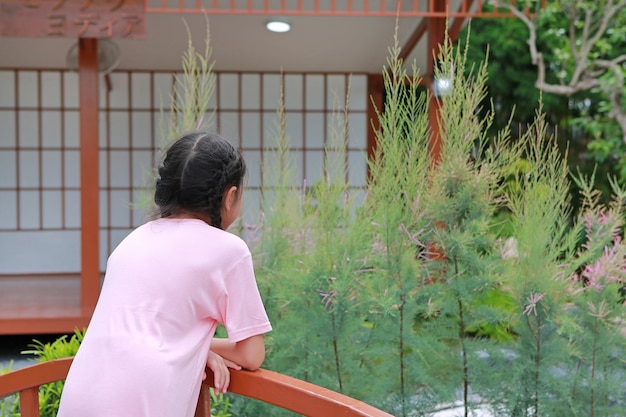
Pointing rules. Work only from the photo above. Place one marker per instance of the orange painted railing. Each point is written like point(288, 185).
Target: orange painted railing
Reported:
point(390, 8)
point(273, 388)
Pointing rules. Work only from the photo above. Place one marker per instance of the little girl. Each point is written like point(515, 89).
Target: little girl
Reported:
point(167, 286)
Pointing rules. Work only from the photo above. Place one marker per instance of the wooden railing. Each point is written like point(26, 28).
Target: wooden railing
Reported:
point(273, 388)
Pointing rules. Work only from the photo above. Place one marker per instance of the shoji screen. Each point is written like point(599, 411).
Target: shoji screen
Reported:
point(39, 149)
point(39, 163)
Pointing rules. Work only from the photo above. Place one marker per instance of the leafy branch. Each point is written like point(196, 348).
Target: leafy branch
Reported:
point(589, 24)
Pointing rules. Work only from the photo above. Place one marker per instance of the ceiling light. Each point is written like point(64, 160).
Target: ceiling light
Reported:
point(278, 26)
point(442, 86)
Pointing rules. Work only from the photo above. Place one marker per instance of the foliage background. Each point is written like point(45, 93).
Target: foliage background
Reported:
point(466, 279)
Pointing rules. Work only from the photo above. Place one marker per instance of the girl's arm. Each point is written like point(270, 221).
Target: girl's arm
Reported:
point(249, 353)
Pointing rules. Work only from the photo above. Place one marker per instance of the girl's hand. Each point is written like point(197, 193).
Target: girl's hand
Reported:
point(221, 375)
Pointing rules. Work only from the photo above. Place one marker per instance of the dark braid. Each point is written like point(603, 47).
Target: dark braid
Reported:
point(195, 174)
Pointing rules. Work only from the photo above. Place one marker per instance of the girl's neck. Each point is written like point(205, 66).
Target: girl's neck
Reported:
point(192, 215)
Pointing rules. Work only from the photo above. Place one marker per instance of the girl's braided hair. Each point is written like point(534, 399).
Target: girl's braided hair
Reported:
point(195, 174)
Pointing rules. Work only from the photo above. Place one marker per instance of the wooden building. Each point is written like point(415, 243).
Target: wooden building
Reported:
point(82, 87)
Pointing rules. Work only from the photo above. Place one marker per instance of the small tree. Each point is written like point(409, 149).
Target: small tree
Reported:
point(586, 39)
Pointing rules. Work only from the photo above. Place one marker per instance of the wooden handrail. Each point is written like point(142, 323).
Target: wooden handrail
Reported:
point(271, 387)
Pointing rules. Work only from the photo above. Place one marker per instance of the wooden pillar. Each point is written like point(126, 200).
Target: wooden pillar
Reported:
point(203, 408)
point(89, 184)
point(375, 93)
point(436, 37)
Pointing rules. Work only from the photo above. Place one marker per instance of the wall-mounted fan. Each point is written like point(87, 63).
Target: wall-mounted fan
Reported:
point(108, 56)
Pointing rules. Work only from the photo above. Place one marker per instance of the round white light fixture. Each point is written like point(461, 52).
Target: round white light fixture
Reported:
point(443, 86)
point(278, 26)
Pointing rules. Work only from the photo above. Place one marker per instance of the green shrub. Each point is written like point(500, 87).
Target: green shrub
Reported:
point(463, 278)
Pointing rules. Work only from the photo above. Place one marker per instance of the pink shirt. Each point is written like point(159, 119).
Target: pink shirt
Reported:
point(167, 286)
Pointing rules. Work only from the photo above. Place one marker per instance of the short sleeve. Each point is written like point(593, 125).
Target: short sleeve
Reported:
point(243, 313)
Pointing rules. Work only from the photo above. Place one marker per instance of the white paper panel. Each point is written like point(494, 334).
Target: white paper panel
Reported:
point(140, 90)
point(253, 164)
point(315, 130)
point(70, 89)
point(8, 208)
point(51, 89)
point(229, 126)
point(120, 208)
point(119, 130)
point(251, 130)
point(72, 209)
point(119, 170)
point(29, 209)
point(358, 130)
point(29, 169)
point(143, 174)
point(294, 129)
point(51, 169)
point(336, 94)
point(162, 90)
point(314, 167)
point(293, 92)
point(29, 128)
point(103, 169)
point(118, 96)
point(142, 135)
point(103, 213)
point(250, 92)
point(52, 209)
point(28, 85)
point(103, 128)
point(7, 86)
point(72, 129)
point(51, 129)
point(358, 92)
point(8, 177)
point(357, 162)
point(314, 92)
point(54, 252)
point(72, 169)
point(271, 91)
point(228, 92)
point(7, 130)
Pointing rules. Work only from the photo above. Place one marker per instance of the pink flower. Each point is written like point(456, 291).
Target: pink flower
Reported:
point(328, 298)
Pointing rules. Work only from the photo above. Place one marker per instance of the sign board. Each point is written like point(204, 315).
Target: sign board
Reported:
point(73, 18)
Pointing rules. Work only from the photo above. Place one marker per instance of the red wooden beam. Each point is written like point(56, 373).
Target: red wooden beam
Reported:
point(375, 92)
point(42, 324)
point(436, 37)
point(89, 184)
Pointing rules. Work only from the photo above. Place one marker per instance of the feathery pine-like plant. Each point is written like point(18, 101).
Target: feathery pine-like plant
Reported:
point(189, 102)
point(461, 278)
point(193, 89)
point(535, 276)
point(461, 194)
point(399, 229)
point(597, 314)
point(308, 261)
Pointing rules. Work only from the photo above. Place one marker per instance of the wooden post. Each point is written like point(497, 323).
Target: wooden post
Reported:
point(375, 92)
point(436, 37)
point(89, 184)
point(203, 409)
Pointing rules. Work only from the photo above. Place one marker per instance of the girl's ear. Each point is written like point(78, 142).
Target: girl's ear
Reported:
point(230, 198)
